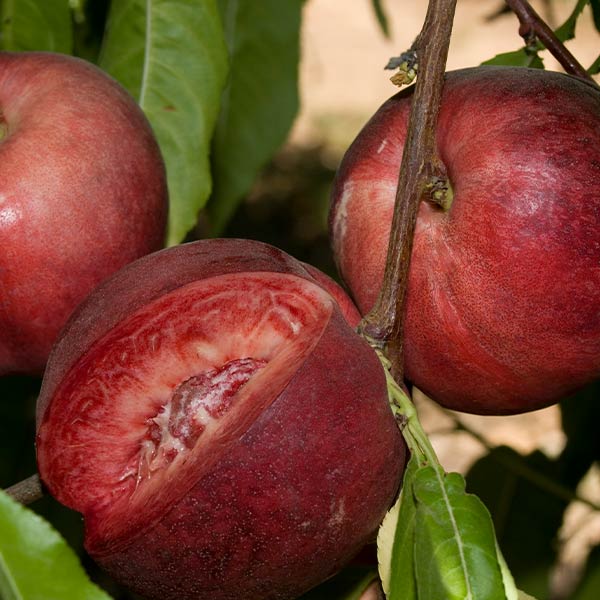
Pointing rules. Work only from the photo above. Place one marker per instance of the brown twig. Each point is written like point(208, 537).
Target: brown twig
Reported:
point(27, 491)
point(420, 164)
point(532, 25)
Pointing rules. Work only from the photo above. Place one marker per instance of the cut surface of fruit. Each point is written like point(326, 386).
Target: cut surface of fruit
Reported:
point(165, 392)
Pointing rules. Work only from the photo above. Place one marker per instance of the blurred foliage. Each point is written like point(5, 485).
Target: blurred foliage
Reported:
point(288, 205)
point(260, 100)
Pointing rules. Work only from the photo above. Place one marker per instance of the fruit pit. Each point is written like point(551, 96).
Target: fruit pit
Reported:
point(195, 403)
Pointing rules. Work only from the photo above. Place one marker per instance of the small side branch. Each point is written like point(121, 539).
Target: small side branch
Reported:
point(533, 26)
point(27, 491)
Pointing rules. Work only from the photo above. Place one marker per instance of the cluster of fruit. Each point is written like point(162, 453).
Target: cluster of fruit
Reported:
point(209, 408)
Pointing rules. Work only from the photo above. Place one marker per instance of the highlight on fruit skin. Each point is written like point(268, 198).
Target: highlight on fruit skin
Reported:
point(223, 430)
point(82, 192)
point(503, 303)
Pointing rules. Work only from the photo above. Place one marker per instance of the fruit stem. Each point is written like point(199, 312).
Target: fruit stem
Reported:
point(533, 26)
point(27, 491)
point(406, 415)
point(420, 165)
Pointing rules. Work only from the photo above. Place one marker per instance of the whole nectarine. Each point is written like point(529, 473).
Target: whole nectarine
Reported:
point(82, 192)
point(503, 302)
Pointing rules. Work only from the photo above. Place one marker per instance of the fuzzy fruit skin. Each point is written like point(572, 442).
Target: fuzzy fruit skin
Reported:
point(82, 193)
point(504, 288)
point(282, 501)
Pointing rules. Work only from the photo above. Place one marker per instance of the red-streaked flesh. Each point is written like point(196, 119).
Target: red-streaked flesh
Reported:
point(131, 375)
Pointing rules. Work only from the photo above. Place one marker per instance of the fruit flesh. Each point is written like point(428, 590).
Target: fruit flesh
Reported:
point(504, 287)
point(278, 490)
point(82, 192)
point(132, 375)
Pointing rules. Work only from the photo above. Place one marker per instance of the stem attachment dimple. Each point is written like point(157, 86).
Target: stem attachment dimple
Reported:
point(440, 192)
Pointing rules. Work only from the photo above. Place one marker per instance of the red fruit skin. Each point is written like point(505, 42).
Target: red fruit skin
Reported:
point(344, 301)
point(82, 193)
point(504, 288)
point(274, 506)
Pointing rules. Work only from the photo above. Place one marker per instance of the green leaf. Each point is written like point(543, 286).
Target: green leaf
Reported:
point(381, 17)
point(523, 596)
point(396, 542)
point(36, 25)
point(595, 4)
point(567, 30)
point(594, 68)
point(261, 99)
point(518, 58)
point(455, 547)
point(35, 562)
point(171, 56)
point(529, 57)
point(456, 554)
point(512, 593)
point(347, 585)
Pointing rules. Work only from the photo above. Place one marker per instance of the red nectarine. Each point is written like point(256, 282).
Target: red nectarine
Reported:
point(503, 303)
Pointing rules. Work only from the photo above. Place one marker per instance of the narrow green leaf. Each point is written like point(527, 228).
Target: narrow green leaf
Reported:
point(396, 542)
point(456, 554)
point(529, 57)
point(567, 30)
point(381, 17)
point(261, 99)
point(455, 549)
point(523, 596)
point(36, 25)
point(35, 562)
point(512, 593)
point(595, 4)
point(519, 499)
point(171, 56)
point(518, 58)
point(594, 67)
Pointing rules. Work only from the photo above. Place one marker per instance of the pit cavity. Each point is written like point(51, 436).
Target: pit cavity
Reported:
point(195, 404)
